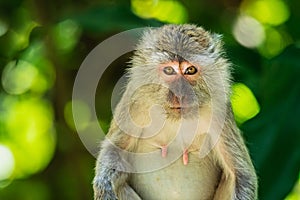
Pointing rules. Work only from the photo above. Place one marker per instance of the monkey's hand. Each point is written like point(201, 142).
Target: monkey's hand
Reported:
point(103, 189)
point(110, 182)
point(111, 185)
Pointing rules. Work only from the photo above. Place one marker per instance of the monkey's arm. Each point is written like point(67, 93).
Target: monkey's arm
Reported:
point(238, 181)
point(110, 182)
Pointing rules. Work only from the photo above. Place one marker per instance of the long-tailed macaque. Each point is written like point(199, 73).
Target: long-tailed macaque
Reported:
point(173, 135)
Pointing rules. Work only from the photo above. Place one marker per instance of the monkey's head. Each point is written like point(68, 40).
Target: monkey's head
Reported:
point(180, 67)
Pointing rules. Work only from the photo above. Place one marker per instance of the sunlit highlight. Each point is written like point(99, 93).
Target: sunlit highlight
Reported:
point(3, 27)
point(81, 110)
point(260, 32)
point(244, 103)
point(248, 31)
point(66, 35)
point(272, 12)
point(7, 162)
point(274, 44)
point(169, 11)
point(20, 38)
point(36, 55)
point(295, 193)
point(29, 125)
point(18, 76)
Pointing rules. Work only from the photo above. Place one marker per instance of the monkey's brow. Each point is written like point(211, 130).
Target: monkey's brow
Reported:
point(175, 57)
point(178, 58)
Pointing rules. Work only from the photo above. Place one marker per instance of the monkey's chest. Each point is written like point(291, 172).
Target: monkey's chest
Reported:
point(195, 181)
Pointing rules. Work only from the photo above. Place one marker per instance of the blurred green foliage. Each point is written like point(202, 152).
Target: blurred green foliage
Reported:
point(43, 43)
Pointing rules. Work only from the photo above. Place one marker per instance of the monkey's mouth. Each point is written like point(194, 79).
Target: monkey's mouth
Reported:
point(179, 104)
point(176, 107)
point(179, 108)
point(182, 109)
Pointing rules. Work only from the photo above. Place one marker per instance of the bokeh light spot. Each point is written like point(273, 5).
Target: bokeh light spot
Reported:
point(169, 11)
point(35, 54)
point(248, 31)
point(66, 35)
point(7, 162)
point(244, 103)
point(29, 125)
point(274, 44)
point(17, 76)
point(272, 12)
point(81, 110)
point(3, 27)
point(20, 38)
point(295, 193)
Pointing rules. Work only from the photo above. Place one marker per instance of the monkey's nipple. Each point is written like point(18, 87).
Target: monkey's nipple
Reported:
point(164, 150)
point(185, 157)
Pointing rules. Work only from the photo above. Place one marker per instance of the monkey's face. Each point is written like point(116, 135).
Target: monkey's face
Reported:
point(180, 79)
point(186, 61)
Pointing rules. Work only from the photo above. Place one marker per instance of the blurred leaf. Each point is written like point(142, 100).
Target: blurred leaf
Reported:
point(3, 27)
point(18, 35)
point(162, 10)
point(7, 163)
point(274, 43)
point(244, 104)
point(295, 194)
point(17, 76)
point(29, 133)
point(36, 55)
point(65, 35)
point(272, 12)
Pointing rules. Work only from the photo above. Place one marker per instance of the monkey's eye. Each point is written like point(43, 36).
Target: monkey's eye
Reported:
point(191, 70)
point(169, 70)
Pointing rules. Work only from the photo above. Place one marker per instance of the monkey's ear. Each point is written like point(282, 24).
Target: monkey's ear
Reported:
point(216, 43)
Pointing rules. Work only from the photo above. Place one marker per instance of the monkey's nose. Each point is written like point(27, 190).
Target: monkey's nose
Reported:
point(181, 93)
point(180, 87)
point(177, 101)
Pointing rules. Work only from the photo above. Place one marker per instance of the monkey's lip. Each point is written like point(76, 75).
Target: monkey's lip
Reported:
point(181, 108)
point(176, 108)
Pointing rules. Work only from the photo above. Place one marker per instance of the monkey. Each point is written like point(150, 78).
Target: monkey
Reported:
point(173, 133)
